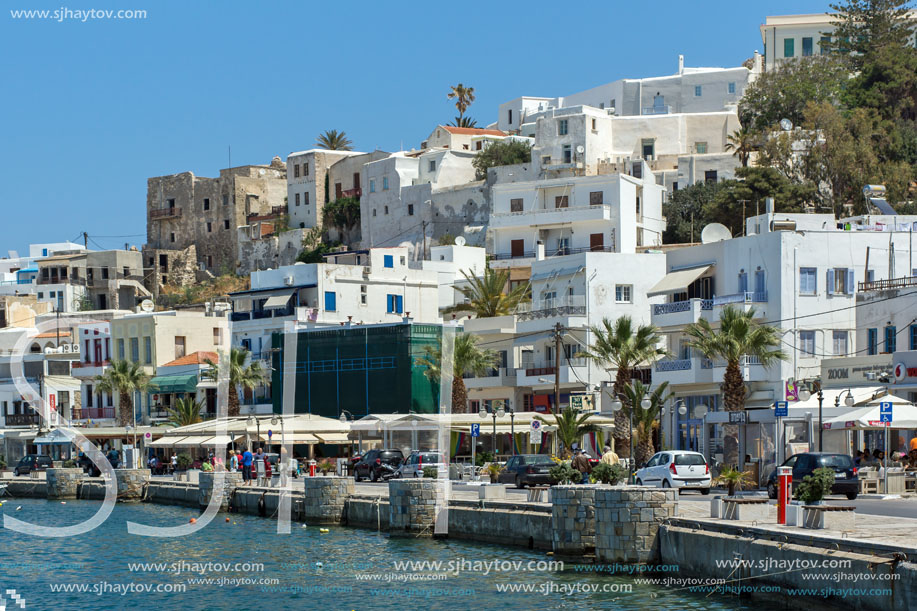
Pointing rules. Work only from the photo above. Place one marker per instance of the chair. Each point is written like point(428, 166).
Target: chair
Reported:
point(869, 480)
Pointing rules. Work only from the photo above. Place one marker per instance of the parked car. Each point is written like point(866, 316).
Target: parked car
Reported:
point(416, 461)
point(527, 470)
point(370, 465)
point(846, 480)
point(32, 462)
point(676, 469)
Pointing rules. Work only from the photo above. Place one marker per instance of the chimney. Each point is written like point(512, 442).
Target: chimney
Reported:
point(681, 64)
point(769, 205)
point(539, 250)
point(407, 318)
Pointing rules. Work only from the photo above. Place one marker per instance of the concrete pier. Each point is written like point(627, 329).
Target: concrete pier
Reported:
point(325, 499)
point(62, 483)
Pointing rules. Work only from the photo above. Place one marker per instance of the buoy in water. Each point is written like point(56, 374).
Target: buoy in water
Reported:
point(192, 520)
point(227, 519)
point(63, 502)
point(19, 508)
point(319, 565)
point(323, 530)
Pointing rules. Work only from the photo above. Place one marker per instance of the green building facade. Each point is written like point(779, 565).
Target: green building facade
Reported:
point(366, 369)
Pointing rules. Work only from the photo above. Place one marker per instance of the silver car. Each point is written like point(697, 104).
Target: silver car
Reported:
point(676, 469)
point(414, 465)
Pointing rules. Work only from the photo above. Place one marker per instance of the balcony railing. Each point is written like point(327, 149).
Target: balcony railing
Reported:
point(79, 364)
point(746, 361)
point(496, 372)
point(660, 309)
point(673, 365)
point(537, 211)
point(527, 254)
point(657, 110)
point(93, 413)
point(884, 285)
point(21, 419)
point(557, 252)
point(357, 192)
point(165, 213)
point(546, 368)
point(746, 297)
point(570, 305)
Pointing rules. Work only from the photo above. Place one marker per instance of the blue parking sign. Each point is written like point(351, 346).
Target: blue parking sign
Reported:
point(475, 430)
point(885, 411)
point(781, 409)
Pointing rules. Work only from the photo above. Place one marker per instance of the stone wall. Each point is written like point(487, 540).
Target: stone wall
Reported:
point(370, 513)
point(325, 498)
point(412, 506)
point(62, 483)
point(206, 482)
point(627, 521)
point(131, 483)
point(573, 519)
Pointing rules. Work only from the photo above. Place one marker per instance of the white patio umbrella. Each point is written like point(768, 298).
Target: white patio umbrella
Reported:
point(904, 416)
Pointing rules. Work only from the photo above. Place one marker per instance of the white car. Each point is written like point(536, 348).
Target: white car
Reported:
point(416, 461)
point(676, 469)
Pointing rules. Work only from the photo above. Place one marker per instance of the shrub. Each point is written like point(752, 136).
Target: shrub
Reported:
point(326, 466)
point(430, 472)
point(482, 458)
point(494, 469)
point(2, 461)
point(184, 462)
point(815, 487)
point(69, 463)
point(564, 473)
point(608, 474)
point(733, 479)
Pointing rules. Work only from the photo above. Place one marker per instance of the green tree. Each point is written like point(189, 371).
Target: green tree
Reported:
point(467, 358)
point(685, 211)
point(618, 344)
point(125, 378)
point(866, 27)
point(464, 122)
point(645, 420)
point(743, 142)
point(463, 96)
point(241, 375)
point(186, 411)
point(504, 152)
point(333, 140)
point(738, 335)
point(485, 295)
point(738, 199)
point(343, 213)
point(571, 425)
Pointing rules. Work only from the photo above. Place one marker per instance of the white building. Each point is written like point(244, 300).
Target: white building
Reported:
point(19, 276)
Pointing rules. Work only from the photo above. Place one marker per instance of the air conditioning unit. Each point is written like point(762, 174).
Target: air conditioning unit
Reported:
point(67, 348)
point(49, 350)
point(288, 280)
point(74, 347)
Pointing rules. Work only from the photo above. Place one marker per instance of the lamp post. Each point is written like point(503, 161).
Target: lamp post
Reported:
point(512, 430)
point(499, 412)
point(345, 417)
point(250, 421)
point(483, 414)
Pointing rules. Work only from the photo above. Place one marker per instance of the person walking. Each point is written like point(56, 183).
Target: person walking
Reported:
point(233, 461)
point(247, 459)
point(581, 464)
point(609, 457)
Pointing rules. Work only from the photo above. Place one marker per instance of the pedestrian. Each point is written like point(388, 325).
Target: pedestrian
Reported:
point(247, 459)
point(858, 458)
point(284, 466)
point(609, 457)
point(581, 464)
point(233, 461)
point(174, 462)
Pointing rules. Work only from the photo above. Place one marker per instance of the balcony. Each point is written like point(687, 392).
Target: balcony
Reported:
point(551, 216)
point(88, 364)
point(693, 370)
point(21, 419)
point(93, 413)
point(884, 285)
point(744, 297)
point(540, 373)
point(657, 110)
point(356, 192)
point(557, 252)
point(276, 211)
point(570, 305)
point(495, 378)
point(165, 213)
point(750, 366)
point(680, 313)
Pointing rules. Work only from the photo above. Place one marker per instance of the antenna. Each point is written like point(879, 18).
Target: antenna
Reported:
point(715, 232)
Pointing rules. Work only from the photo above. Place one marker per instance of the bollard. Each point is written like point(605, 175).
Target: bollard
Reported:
point(312, 466)
point(784, 493)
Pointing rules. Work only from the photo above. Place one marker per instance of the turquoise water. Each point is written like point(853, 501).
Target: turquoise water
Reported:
point(99, 563)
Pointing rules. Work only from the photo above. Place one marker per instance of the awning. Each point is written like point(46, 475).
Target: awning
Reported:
point(173, 384)
point(567, 271)
point(339, 438)
point(164, 442)
point(194, 440)
point(221, 440)
point(277, 301)
point(678, 280)
point(56, 437)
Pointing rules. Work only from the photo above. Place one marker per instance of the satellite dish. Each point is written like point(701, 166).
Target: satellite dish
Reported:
point(786, 125)
point(146, 305)
point(580, 149)
point(715, 232)
point(460, 241)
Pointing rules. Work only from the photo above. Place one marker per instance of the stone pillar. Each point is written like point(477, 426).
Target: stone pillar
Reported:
point(627, 522)
point(412, 506)
point(62, 483)
point(325, 498)
point(573, 519)
point(205, 483)
point(131, 483)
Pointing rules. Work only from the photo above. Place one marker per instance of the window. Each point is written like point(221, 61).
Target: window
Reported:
point(206, 203)
point(362, 294)
point(698, 91)
point(870, 275)
point(394, 304)
point(331, 301)
point(839, 341)
point(700, 148)
point(562, 127)
point(743, 282)
point(517, 248)
point(788, 47)
point(372, 186)
point(305, 198)
point(295, 170)
point(807, 47)
point(807, 281)
point(209, 226)
point(388, 261)
point(171, 203)
point(432, 165)
point(305, 169)
point(172, 237)
point(840, 281)
point(623, 293)
point(807, 342)
point(593, 125)
point(374, 212)
point(385, 183)
point(515, 204)
point(104, 273)
point(225, 200)
point(567, 154)
point(596, 198)
point(226, 224)
point(135, 349)
point(296, 198)
point(179, 346)
point(913, 342)
point(402, 260)
point(147, 350)
point(891, 339)
point(823, 44)
point(217, 336)
point(731, 87)
point(710, 176)
point(121, 349)
point(410, 209)
point(126, 271)
point(649, 148)
point(509, 116)
point(561, 201)
point(89, 395)
point(872, 341)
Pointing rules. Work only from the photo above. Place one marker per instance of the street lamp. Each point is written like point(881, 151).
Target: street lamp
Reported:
point(512, 430)
point(498, 412)
point(249, 422)
point(274, 420)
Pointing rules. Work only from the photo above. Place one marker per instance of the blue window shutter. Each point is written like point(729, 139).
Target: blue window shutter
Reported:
point(399, 304)
point(830, 280)
point(388, 261)
point(330, 301)
point(390, 304)
point(851, 289)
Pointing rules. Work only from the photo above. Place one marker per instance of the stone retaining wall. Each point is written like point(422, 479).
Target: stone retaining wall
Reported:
point(627, 521)
point(573, 519)
point(206, 481)
point(131, 483)
point(325, 498)
point(372, 513)
point(62, 483)
point(412, 506)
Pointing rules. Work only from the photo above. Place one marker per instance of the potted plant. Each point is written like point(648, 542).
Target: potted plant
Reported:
point(814, 488)
point(607, 474)
point(326, 466)
point(483, 458)
point(430, 472)
point(494, 469)
point(69, 464)
point(733, 479)
point(564, 473)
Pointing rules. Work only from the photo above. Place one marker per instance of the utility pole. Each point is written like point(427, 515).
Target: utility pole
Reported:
point(558, 345)
point(423, 232)
point(85, 240)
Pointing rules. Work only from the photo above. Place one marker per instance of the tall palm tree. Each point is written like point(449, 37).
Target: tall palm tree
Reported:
point(464, 122)
point(125, 378)
point(738, 335)
point(247, 376)
point(571, 426)
point(485, 294)
point(618, 344)
point(645, 419)
point(463, 97)
point(743, 141)
point(333, 140)
point(186, 411)
point(467, 357)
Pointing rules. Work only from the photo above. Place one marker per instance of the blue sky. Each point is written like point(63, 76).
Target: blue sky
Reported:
point(90, 110)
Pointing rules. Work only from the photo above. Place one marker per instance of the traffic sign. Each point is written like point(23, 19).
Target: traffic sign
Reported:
point(475, 430)
point(737, 418)
point(885, 411)
point(781, 409)
point(270, 433)
point(536, 426)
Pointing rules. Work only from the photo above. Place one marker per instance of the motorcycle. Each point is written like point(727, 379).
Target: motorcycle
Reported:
point(387, 472)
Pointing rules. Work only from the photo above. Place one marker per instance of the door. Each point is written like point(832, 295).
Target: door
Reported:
point(517, 248)
point(338, 190)
point(356, 180)
point(647, 472)
point(759, 283)
point(596, 242)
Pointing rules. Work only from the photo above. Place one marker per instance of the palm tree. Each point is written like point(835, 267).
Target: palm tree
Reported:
point(571, 426)
point(186, 411)
point(463, 97)
point(464, 122)
point(333, 140)
point(125, 378)
point(738, 335)
point(617, 344)
point(247, 376)
point(467, 357)
point(645, 419)
point(743, 142)
point(484, 296)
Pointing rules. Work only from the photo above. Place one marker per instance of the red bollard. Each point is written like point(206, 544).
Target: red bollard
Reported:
point(312, 465)
point(784, 492)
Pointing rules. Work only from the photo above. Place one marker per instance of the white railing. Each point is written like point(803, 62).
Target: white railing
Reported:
point(537, 211)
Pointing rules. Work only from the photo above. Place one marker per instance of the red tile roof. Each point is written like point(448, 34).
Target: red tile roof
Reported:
point(63, 334)
point(472, 131)
point(195, 358)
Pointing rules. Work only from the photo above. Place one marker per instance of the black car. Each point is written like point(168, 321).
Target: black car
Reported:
point(845, 473)
point(527, 470)
point(370, 465)
point(32, 462)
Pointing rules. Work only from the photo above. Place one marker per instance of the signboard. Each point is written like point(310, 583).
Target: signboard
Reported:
point(536, 426)
point(475, 430)
point(736, 417)
point(270, 433)
point(582, 402)
point(781, 409)
point(885, 411)
point(52, 400)
point(146, 305)
point(792, 391)
point(148, 435)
